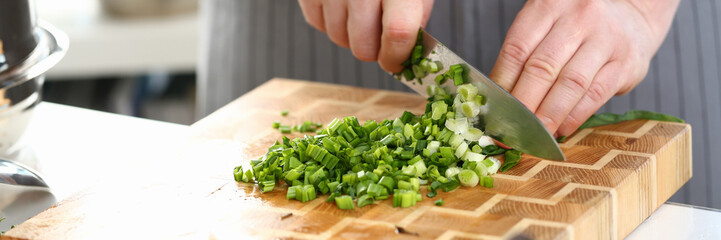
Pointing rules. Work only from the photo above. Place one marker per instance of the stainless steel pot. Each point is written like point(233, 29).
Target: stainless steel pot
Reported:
point(27, 50)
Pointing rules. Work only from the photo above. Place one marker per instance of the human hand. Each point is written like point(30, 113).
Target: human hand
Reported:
point(375, 30)
point(564, 59)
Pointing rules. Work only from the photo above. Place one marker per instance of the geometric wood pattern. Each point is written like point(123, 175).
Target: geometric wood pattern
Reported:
point(615, 176)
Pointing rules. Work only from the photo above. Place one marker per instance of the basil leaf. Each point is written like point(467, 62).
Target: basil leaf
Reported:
point(612, 118)
point(512, 157)
point(492, 150)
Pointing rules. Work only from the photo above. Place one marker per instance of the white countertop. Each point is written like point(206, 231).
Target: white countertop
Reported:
point(74, 147)
point(680, 221)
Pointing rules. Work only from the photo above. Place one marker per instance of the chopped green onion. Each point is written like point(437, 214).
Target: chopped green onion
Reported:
point(487, 181)
point(238, 174)
point(450, 185)
point(408, 74)
point(292, 191)
point(284, 129)
point(480, 100)
point(284, 113)
point(417, 54)
point(374, 190)
point(458, 125)
point(440, 79)
point(439, 202)
point(387, 182)
point(452, 172)
point(415, 184)
point(476, 149)
point(404, 185)
point(481, 170)
point(431, 194)
point(435, 66)
point(438, 109)
point(308, 193)
point(344, 202)
point(470, 109)
point(433, 147)
point(472, 134)
point(468, 178)
point(495, 165)
point(364, 200)
point(432, 90)
point(405, 198)
point(267, 186)
point(446, 152)
point(276, 124)
point(467, 92)
point(425, 64)
point(418, 71)
point(473, 157)
point(485, 141)
point(420, 166)
point(457, 72)
point(462, 149)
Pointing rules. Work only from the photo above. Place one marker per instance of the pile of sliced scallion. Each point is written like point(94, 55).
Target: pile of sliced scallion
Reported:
point(357, 164)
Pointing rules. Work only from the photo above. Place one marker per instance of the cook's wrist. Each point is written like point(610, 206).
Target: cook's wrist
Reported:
point(658, 14)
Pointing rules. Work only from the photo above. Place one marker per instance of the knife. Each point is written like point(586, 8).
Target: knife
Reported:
point(507, 119)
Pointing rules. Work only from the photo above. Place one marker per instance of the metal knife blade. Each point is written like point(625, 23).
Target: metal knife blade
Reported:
point(506, 119)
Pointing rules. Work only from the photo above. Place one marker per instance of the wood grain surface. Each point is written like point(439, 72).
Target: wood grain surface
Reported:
point(615, 177)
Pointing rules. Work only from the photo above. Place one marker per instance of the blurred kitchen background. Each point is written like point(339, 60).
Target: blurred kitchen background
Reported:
point(132, 57)
point(179, 60)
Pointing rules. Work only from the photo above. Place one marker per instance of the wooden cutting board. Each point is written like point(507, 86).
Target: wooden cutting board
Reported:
point(614, 178)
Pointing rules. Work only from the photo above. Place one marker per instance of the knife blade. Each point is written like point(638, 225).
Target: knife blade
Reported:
point(507, 119)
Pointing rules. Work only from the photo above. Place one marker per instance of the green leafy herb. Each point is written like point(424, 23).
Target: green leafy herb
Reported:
point(491, 150)
point(512, 157)
point(439, 202)
point(612, 118)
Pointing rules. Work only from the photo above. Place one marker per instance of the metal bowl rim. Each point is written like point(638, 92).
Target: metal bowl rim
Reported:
point(52, 46)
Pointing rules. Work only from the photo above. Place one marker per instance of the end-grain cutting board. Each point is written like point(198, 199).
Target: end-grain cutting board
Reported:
point(614, 178)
